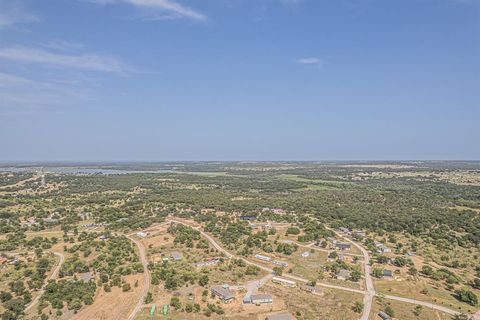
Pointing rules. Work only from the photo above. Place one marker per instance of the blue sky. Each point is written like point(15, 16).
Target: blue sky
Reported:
point(239, 80)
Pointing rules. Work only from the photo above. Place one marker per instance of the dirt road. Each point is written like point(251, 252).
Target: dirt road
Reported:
point(146, 278)
point(52, 276)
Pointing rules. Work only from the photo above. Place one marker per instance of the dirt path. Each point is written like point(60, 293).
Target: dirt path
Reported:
point(146, 278)
point(52, 276)
point(370, 293)
point(22, 182)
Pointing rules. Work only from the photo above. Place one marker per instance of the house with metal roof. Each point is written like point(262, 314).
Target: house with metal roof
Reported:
point(176, 256)
point(223, 292)
point(261, 298)
point(343, 274)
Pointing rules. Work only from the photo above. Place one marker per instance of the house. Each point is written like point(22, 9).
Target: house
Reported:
point(176, 256)
point(388, 273)
point(141, 234)
point(280, 263)
point(382, 247)
point(223, 292)
point(267, 226)
point(50, 220)
point(103, 237)
point(278, 211)
point(341, 257)
point(86, 276)
point(333, 241)
point(264, 258)
point(343, 274)
point(280, 316)
point(345, 230)
point(360, 234)
point(384, 316)
point(343, 246)
point(310, 289)
point(261, 298)
point(207, 263)
point(306, 254)
point(284, 282)
point(248, 217)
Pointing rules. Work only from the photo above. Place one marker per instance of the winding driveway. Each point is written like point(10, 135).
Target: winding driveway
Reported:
point(52, 276)
point(146, 278)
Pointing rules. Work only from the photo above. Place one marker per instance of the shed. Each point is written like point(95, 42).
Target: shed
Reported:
point(384, 316)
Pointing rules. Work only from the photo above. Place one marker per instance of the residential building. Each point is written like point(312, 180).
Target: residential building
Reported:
point(86, 276)
point(310, 289)
point(306, 254)
point(141, 234)
point(223, 292)
point(387, 273)
point(176, 256)
point(280, 263)
point(343, 274)
point(264, 258)
point(261, 298)
point(343, 246)
point(207, 263)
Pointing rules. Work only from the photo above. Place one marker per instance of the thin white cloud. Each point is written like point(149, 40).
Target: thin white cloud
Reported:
point(12, 13)
point(310, 60)
point(85, 61)
point(161, 9)
point(8, 80)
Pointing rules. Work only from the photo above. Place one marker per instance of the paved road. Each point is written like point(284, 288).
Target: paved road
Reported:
point(370, 293)
point(146, 278)
point(52, 276)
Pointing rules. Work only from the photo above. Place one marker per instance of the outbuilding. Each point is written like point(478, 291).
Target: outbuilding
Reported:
point(261, 298)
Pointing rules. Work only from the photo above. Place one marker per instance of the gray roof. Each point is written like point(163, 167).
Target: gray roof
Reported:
point(280, 316)
point(223, 292)
point(261, 296)
point(86, 277)
point(344, 273)
point(176, 255)
point(384, 316)
point(387, 272)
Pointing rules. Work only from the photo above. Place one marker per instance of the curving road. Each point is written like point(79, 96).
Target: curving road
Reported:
point(146, 278)
point(52, 276)
point(370, 293)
